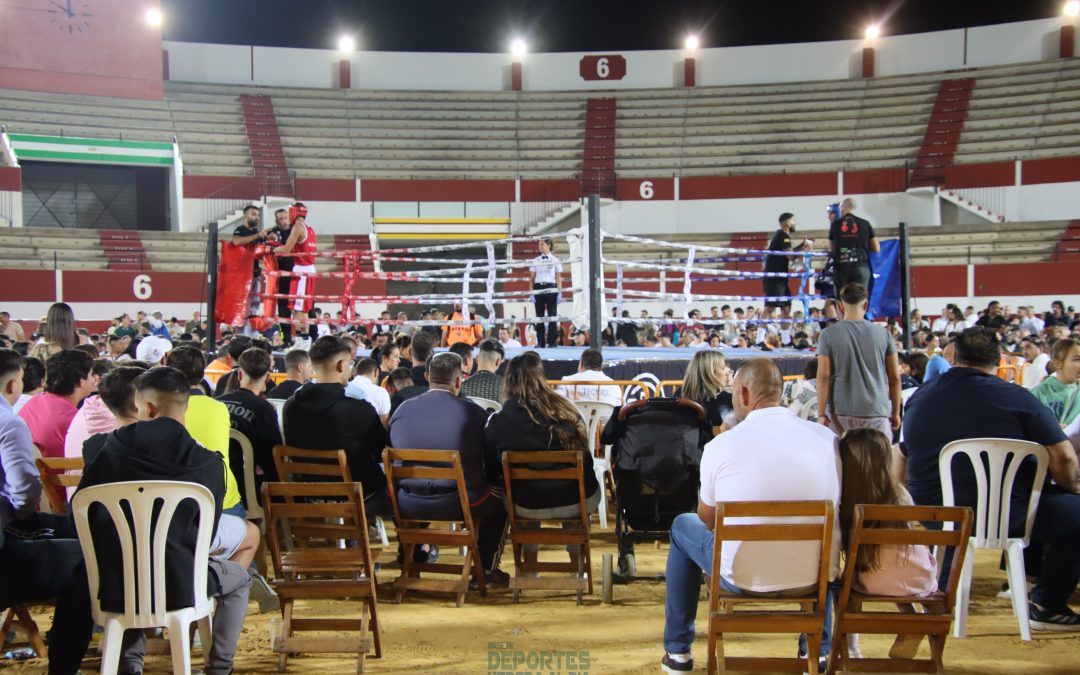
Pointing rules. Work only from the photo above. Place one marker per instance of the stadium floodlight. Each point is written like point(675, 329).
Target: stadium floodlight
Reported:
point(346, 43)
point(692, 42)
point(518, 47)
point(153, 17)
point(873, 31)
point(1072, 8)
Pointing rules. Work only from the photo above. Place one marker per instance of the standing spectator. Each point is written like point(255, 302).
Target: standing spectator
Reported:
point(319, 416)
point(251, 415)
point(778, 288)
point(590, 367)
point(33, 381)
point(486, 383)
point(469, 330)
point(970, 401)
point(1035, 361)
point(10, 328)
point(706, 381)
point(770, 455)
point(858, 371)
point(207, 420)
point(440, 419)
point(363, 387)
point(1061, 391)
point(297, 373)
point(545, 282)
point(39, 552)
point(67, 382)
point(851, 240)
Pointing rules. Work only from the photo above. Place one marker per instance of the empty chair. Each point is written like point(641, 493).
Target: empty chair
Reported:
point(596, 414)
point(764, 616)
point(153, 506)
point(995, 462)
point(853, 617)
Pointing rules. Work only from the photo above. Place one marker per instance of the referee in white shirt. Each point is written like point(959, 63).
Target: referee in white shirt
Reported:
point(544, 275)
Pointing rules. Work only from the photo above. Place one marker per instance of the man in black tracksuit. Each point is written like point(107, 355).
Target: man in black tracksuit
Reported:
point(158, 447)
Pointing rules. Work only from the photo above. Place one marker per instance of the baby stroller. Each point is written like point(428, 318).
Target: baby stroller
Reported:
point(656, 455)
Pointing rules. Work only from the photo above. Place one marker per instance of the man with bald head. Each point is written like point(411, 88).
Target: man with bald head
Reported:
point(771, 454)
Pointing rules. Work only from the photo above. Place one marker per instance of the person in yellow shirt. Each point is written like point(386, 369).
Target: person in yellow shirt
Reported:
point(207, 420)
point(470, 335)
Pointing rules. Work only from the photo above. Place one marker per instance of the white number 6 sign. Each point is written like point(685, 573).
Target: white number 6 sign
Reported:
point(140, 286)
point(603, 69)
point(646, 189)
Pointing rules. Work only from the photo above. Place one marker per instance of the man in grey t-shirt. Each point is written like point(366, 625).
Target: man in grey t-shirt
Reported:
point(858, 381)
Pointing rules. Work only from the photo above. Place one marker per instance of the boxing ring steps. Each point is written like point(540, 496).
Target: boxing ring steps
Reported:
point(943, 132)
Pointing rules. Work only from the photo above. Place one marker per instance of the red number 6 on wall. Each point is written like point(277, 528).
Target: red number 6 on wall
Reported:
point(602, 67)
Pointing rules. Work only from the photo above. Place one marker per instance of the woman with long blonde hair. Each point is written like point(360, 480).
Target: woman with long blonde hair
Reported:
point(706, 381)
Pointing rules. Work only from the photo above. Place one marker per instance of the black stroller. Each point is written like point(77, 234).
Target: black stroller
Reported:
point(656, 456)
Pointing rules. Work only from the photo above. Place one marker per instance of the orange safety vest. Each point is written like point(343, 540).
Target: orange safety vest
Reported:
point(467, 334)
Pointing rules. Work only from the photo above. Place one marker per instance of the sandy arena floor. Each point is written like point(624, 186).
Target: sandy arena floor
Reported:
point(428, 634)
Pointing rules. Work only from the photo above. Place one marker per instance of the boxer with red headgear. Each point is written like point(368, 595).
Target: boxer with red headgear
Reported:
point(297, 253)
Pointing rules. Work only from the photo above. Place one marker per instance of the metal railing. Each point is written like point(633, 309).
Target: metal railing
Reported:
point(237, 194)
point(989, 199)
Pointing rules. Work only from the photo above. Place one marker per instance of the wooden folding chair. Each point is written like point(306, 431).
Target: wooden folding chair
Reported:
point(57, 474)
point(21, 614)
point(765, 616)
point(936, 619)
point(456, 529)
point(307, 524)
point(298, 465)
point(523, 466)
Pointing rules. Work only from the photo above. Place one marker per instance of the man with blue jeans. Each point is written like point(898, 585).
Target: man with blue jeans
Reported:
point(770, 455)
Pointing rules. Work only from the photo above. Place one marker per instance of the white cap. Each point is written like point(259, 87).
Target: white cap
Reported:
point(152, 350)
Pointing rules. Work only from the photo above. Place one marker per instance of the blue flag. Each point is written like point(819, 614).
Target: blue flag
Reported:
point(885, 281)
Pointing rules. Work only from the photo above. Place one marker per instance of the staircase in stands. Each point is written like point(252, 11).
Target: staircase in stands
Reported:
point(598, 166)
point(942, 132)
point(124, 250)
point(264, 141)
point(1068, 247)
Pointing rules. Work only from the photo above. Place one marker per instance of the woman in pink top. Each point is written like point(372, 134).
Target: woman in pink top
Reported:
point(866, 456)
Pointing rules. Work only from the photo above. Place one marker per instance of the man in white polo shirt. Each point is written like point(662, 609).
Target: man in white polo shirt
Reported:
point(363, 388)
point(770, 455)
point(590, 370)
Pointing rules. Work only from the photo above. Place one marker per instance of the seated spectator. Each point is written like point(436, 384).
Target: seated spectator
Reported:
point(226, 360)
point(319, 416)
point(33, 382)
point(251, 415)
point(363, 387)
point(157, 447)
point(152, 350)
point(536, 418)
point(117, 391)
point(402, 383)
point(706, 381)
point(866, 461)
point(1061, 391)
point(297, 373)
point(589, 370)
point(422, 346)
point(404, 345)
point(207, 420)
point(440, 419)
point(1035, 361)
point(388, 357)
point(465, 351)
point(506, 337)
point(67, 382)
point(39, 552)
point(912, 370)
point(94, 417)
point(993, 317)
point(1056, 316)
point(486, 382)
point(770, 455)
point(939, 363)
point(970, 401)
point(798, 394)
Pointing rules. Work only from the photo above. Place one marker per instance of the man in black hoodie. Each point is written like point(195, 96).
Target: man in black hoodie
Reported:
point(251, 415)
point(157, 447)
point(319, 416)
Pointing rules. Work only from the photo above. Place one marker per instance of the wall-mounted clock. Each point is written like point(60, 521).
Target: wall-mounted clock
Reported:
point(70, 17)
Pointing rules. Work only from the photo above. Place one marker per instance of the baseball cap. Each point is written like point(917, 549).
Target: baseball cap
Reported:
point(152, 349)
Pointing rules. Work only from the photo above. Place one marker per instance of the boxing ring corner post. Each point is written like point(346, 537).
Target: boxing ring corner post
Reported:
point(595, 272)
point(905, 284)
point(212, 283)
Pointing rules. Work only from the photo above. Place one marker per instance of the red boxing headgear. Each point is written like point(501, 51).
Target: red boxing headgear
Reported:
point(297, 211)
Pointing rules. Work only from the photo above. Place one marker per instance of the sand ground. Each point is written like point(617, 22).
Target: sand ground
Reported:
point(428, 634)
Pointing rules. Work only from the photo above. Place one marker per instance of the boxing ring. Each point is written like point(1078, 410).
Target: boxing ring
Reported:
point(489, 280)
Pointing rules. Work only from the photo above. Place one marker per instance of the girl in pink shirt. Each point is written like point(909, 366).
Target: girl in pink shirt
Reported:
point(866, 456)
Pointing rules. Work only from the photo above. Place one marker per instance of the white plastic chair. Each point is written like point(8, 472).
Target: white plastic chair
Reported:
point(279, 406)
point(254, 511)
point(595, 414)
point(486, 403)
point(144, 561)
point(991, 530)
